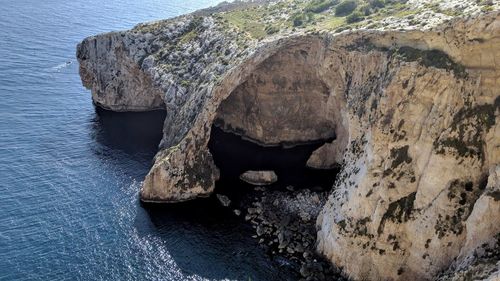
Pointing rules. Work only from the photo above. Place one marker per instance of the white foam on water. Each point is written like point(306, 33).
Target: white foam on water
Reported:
point(61, 66)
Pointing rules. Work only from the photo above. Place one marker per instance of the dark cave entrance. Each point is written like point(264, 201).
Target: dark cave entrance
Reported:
point(234, 155)
point(135, 133)
point(284, 112)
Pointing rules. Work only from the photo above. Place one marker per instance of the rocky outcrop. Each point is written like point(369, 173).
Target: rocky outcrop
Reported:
point(111, 68)
point(415, 174)
point(414, 114)
point(328, 156)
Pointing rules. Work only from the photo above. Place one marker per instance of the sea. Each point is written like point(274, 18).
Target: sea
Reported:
point(70, 173)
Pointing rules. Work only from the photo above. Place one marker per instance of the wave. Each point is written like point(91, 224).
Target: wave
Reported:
point(61, 66)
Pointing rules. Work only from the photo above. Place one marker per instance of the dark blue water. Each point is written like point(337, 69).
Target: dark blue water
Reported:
point(69, 176)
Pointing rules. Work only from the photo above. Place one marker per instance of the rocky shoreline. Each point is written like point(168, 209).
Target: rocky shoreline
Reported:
point(284, 220)
point(285, 224)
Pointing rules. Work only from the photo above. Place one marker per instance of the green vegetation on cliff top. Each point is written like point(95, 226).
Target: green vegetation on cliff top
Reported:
point(260, 21)
point(274, 17)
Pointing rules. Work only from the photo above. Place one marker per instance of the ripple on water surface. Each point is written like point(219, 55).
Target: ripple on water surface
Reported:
point(70, 176)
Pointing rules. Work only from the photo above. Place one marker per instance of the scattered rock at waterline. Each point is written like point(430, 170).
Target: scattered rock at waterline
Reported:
point(224, 200)
point(284, 224)
point(259, 177)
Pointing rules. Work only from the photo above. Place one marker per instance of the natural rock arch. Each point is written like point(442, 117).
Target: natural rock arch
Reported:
point(417, 120)
point(319, 111)
point(285, 100)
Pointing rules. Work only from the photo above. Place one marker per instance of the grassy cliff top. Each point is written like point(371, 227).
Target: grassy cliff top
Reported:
point(259, 19)
point(272, 17)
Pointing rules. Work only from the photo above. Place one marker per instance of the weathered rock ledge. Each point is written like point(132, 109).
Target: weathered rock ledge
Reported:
point(415, 115)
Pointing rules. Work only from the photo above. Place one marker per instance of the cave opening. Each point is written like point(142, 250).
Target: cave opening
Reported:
point(234, 155)
point(280, 116)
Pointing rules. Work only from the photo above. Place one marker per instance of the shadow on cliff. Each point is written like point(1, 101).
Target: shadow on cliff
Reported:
point(207, 240)
point(234, 155)
point(203, 238)
point(130, 132)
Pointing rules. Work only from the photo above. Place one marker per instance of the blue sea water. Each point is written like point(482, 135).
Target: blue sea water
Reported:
point(70, 176)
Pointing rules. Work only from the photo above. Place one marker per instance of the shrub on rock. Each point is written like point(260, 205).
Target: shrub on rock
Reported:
point(345, 8)
point(355, 17)
point(318, 6)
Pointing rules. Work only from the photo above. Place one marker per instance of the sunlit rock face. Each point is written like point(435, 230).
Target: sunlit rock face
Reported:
point(110, 69)
point(284, 101)
point(419, 180)
point(414, 114)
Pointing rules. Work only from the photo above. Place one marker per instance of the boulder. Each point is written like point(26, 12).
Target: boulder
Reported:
point(224, 200)
point(259, 177)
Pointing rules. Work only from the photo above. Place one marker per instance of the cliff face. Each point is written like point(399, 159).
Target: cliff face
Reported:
point(111, 69)
point(415, 115)
point(419, 181)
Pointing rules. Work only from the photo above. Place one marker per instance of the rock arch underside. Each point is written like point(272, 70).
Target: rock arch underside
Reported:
point(414, 114)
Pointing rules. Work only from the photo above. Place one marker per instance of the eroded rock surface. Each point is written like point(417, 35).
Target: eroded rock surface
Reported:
point(283, 101)
point(415, 173)
point(112, 66)
point(481, 264)
point(415, 116)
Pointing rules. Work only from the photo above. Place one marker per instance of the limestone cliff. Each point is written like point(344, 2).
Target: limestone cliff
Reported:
point(414, 113)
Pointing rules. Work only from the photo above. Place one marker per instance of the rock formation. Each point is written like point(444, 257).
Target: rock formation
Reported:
point(224, 200)
point(414, 114)
point(259, 177)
